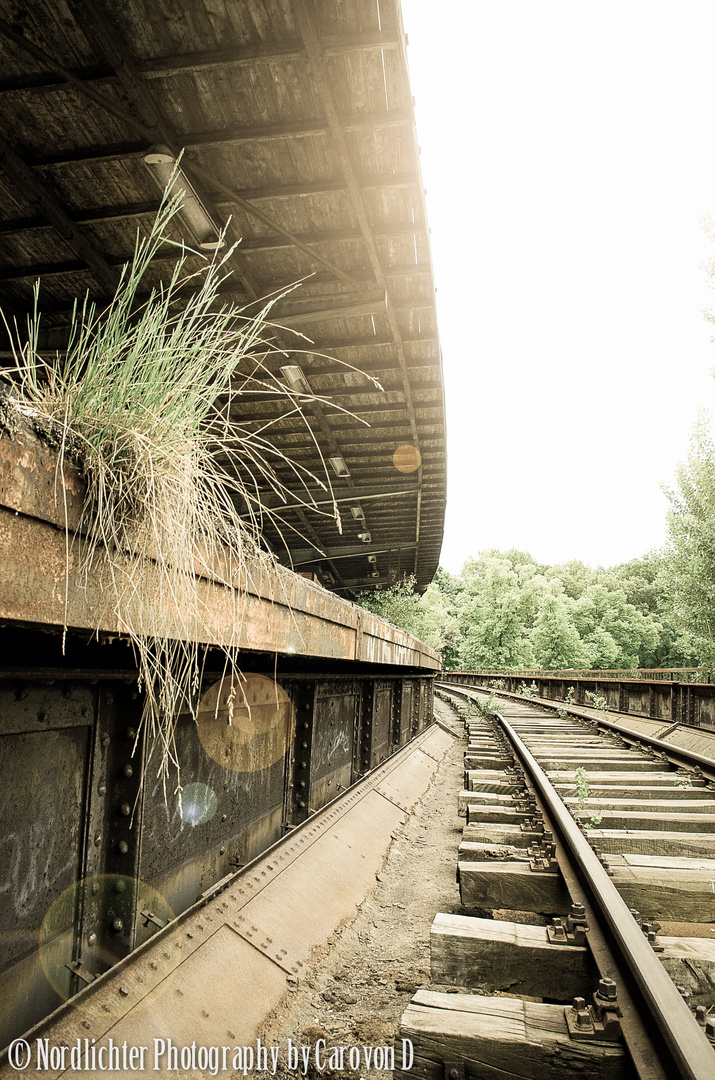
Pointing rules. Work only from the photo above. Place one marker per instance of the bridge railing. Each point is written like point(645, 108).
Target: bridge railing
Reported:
point(682, 675)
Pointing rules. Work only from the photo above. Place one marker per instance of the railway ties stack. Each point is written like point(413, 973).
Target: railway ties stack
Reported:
point(652, 829)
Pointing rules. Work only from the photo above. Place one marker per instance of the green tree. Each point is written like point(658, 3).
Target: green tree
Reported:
point(557, 642)
point(688, 573)
point(398, 603)
point(615, 633)
point(429, 617)
point(497, 609)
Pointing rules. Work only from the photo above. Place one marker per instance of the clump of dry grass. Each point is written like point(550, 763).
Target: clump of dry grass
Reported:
point(142, 399)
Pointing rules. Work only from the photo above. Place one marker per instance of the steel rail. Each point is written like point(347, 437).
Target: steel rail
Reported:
point(675, 1026)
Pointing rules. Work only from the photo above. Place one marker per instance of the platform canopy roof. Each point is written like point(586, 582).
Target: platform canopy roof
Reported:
point(296, 122)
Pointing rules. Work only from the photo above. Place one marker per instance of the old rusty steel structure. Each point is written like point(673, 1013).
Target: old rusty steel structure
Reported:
point(333, 693)
point(295, 121)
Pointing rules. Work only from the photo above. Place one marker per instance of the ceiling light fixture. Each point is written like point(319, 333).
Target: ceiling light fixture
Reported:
point(339, 466)
point(296, 379)
point(358, 513)
point(162, 165)
point(365, 537)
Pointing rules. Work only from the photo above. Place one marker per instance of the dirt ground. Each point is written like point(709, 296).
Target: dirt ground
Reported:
point(360, 988)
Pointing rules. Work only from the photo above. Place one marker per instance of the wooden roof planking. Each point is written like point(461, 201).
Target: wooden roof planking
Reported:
point(296, 123)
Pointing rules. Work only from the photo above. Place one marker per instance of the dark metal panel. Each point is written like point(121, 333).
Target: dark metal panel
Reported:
point(42, 791)
point(336, 706)
point(225, 816)
point(381, 722)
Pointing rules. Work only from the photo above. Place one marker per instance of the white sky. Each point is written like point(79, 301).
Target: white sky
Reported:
point(568, 154)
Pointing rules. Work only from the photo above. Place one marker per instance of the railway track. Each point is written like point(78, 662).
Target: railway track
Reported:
point(609, 841)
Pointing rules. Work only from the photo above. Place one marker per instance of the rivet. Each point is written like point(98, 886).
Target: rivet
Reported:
point(109, 699)
point(105, 740)
point(120, 886)
point(131, 733)
point(128, 770)
point(222, 851)
point(125, 809)
point(97, 839)
point(86, 1024)
point(123, 992)
point(92, 939)
point(102, 789)
point(123, 847)
point(223, 817)
point(117, 924)
point(95, 888)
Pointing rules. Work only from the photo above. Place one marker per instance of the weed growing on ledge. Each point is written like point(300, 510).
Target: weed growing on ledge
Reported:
point(141, 401)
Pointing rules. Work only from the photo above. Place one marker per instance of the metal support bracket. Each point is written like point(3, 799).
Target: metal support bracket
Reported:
point(558, 934)
point(81, 972)
point(585, 1025)
point(150, 917)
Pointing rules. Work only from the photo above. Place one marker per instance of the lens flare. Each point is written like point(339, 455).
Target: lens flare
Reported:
point(406, 459)
point(245, 722)
point(106, 905)
point(198, 804)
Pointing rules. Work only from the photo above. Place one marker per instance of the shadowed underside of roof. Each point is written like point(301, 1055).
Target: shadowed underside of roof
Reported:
point(296, 124)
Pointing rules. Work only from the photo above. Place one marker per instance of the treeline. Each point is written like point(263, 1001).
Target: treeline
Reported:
point(506, 610)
